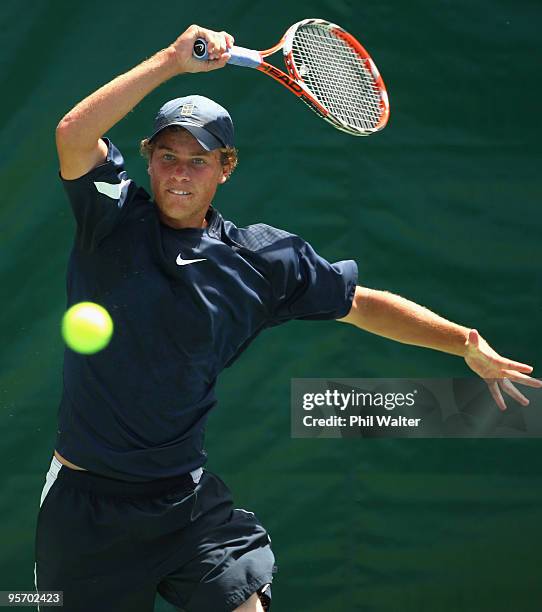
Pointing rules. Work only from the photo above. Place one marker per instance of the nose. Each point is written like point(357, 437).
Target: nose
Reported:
point(180, 171)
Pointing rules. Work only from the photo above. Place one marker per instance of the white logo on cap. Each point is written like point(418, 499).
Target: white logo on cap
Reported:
point(187, 109)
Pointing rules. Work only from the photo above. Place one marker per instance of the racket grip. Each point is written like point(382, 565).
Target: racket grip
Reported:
point(240, 56)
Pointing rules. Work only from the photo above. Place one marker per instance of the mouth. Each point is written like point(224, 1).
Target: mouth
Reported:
point(177, 192)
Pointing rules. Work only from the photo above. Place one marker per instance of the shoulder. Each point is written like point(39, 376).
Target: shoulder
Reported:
point(104, 198)
point(260, 237)
point(109, 180)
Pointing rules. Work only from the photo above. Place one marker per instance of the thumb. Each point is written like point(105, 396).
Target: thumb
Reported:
point(474, 338)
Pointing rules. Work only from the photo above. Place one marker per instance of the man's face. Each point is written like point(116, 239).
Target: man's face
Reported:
point(184, 178)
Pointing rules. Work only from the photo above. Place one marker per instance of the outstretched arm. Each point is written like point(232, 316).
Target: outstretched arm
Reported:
point(394, 317)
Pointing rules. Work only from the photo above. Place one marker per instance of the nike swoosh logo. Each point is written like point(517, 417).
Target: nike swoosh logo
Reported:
point(184, 262)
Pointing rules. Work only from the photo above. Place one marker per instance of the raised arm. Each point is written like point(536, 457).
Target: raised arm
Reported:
point(394, 317)
point(78, 135)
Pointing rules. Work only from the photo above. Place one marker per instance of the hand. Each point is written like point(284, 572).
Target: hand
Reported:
point(497, 371)
point(217, 44)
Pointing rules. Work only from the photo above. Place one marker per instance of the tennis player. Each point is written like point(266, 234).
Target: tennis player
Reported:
point(128, 509)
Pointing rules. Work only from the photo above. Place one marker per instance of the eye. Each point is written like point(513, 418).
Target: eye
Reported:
point(198, 161)
point(168, 157)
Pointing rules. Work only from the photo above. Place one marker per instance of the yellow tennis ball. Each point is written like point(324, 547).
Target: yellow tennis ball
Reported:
point(87, 328)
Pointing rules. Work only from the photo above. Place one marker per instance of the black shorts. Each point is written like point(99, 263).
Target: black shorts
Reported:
point(111, 545)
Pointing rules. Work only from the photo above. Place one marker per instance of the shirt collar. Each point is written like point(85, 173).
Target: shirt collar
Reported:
point(214, 222)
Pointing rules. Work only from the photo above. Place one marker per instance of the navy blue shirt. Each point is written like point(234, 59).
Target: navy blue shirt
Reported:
point(137, 410)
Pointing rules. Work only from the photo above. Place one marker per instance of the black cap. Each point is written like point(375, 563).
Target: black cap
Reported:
point(207, 121)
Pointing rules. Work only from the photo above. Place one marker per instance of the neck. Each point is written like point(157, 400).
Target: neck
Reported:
point(195, 222)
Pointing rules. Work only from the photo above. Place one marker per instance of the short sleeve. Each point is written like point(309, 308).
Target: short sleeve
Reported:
point(306, 286)
point(99, 198)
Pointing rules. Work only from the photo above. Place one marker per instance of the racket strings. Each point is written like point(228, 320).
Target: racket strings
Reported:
point(341, 78)
point(337, 76)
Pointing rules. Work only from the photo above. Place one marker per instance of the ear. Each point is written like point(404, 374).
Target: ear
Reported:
point(225, 174)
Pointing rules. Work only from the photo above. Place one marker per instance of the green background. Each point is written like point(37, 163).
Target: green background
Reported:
point(441, 207)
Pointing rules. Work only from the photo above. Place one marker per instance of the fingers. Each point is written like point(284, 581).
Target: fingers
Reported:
point(516, 365)
point(506, 385)
point(510, 390)
point(215, 64)
point(523, 379)
point(475, 341)
point(229, 39)
point(497, 371)
point(218, 43)
point(212, 64)
point(497, 395)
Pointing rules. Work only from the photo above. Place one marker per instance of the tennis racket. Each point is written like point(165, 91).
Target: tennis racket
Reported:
point(328, 69)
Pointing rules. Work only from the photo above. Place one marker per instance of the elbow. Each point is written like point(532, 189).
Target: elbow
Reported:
point(70, 135)
point(65, 130)
point(63, 134)
point(63, 124)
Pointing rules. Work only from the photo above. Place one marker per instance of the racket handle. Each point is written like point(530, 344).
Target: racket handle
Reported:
point(239, 55)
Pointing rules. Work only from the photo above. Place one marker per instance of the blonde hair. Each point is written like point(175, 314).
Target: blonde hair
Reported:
point(228, 155)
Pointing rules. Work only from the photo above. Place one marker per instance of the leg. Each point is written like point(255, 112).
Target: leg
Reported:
point(82, 550)
point(223, 561)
